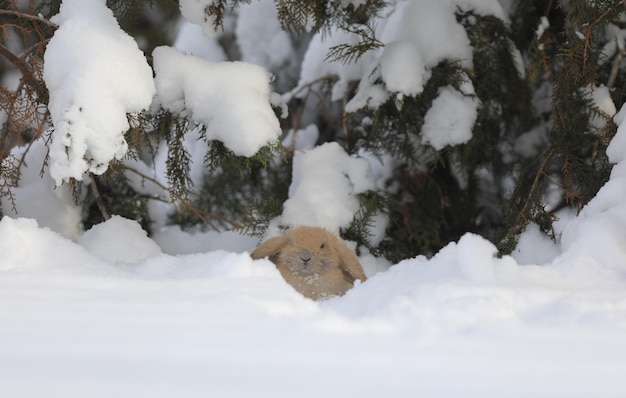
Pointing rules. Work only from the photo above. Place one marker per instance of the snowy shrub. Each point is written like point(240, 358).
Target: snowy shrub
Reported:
point(402, 125)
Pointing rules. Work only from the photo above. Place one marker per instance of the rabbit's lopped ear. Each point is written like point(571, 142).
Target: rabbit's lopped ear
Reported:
point(349, 262)
point(270, 247)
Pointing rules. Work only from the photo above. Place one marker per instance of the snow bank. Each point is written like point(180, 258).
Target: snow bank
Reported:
point(230, 98)
point(26, 247)
point(221, 323)
point(119, 240)
point(95, 74)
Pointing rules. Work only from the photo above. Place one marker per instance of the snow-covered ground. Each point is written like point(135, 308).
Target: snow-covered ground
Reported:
point(114, 316)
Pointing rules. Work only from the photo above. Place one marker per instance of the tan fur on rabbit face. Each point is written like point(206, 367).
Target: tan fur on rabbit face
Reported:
point(316, 262)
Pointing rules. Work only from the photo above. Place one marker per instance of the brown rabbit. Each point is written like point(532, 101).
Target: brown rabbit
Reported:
point(316, 262)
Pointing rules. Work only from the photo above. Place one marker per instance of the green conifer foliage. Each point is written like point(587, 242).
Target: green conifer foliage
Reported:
point(533, 76)
point(573, 159)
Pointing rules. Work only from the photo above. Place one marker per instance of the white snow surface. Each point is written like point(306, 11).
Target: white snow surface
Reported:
point(230, 98)
point(95, 74)
point(218, 323)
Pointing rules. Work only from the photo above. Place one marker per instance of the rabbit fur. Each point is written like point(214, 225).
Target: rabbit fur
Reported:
point(316, 262)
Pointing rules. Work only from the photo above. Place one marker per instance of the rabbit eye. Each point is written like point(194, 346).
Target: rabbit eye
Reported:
point(323, 245)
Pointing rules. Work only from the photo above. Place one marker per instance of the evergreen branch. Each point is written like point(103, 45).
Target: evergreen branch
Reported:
point(348, 53)
point(548, 153)
point(146, 177)
point(31, 17)
point(98, 198)
point(591, 26)
point(615, 67)
point(27, 73)
point(205, 216)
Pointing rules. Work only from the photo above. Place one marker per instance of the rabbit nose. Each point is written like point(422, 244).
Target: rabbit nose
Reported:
point(305, 256)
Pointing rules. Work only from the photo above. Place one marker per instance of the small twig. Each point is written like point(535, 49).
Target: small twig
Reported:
point(615, 67)
point(548, 152)
point(590, 28)
point(330, 78)
point(146, 177)
point(204, 216)
point(22, 66)
point(24, 15)
point(98, 198)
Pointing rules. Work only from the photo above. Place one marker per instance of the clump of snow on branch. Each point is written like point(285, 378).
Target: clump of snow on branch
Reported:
point(402, 68)
point(196, 11)
point(414, 42)
point(191, 40)
point(601, 97)
point(261, 39)
point(325, 182)
point(302, 139)
point(231, 99)
point(450, 119)
point(95, 74)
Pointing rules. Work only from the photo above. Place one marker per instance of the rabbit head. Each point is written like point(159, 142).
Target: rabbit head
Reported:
point(316, 262)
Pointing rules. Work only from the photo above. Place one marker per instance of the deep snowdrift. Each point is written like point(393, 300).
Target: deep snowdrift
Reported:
point(116, 317)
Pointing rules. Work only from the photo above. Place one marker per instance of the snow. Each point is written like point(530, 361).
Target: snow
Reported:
point(126, 241)
point(196, 11)
point(402, 68)
point(325, 182)
point(414, 42)
point(601, 98)
point(450, 119)
point(218, 323)
point(260, 36)
point(303, 139)
point(230, 98)
point(436, 34)
point(615, 151)
point(108, 78)
point(314, 66)
point(191, 40)
point(544, 24)
point(59, 213)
